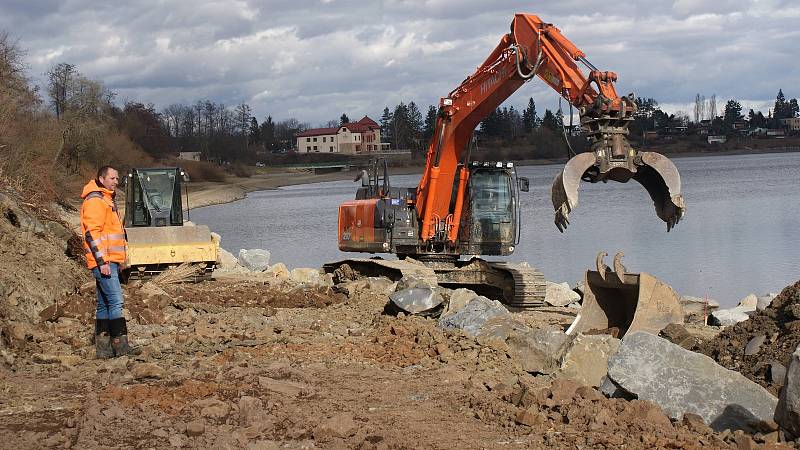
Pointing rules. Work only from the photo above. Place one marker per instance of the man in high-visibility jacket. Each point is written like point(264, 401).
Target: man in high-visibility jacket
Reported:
point(104, 246)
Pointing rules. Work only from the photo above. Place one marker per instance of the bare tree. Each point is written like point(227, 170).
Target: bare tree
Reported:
point(243, 114)
point(59, 85)
point(712, 107)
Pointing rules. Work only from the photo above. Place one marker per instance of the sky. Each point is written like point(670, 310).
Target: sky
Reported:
point(314, 60)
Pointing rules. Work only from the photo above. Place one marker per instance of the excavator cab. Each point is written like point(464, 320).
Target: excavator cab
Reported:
point(491, 223)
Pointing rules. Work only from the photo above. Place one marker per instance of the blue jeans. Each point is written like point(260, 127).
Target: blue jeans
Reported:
point(109, 293)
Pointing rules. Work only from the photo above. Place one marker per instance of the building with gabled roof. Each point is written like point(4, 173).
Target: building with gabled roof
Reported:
point(352, 138)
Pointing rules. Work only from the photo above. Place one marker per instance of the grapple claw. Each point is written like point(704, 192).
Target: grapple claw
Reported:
point(652, 170)
point(564, 191)
point(661, 179)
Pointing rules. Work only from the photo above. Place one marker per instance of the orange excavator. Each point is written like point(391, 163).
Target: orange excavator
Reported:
point(465, 207)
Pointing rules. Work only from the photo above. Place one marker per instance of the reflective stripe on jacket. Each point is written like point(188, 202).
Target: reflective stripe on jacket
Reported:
point(101, 227)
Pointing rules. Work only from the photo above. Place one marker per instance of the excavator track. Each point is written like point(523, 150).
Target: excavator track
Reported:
point(392, 269)
point(515, 285)
point(529, 285)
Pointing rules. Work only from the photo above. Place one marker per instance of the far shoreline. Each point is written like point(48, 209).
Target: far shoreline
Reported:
point(202, 194)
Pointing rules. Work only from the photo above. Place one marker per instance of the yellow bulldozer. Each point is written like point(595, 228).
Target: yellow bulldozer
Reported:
point(158, 237)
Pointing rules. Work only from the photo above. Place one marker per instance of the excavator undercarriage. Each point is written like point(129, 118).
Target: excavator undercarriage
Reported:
point(516, 285)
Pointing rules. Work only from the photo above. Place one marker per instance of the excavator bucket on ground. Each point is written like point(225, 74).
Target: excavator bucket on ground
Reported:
point(617, 302)
point(652, 170)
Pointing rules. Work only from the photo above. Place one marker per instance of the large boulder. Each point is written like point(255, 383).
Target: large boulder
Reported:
point(416, 300)
point(749, 303)
point(473, 315)
point(681, 381)
point(537, 350)
point(458, 300)
point(227, 260)
point(411, 281)
point(560, 294)
point(765, 301)
point(255, 259)
point(279, 271)
point(727, 317)
point(307, 275)
point(787, 413)
point(380, 285)
point(586, 359)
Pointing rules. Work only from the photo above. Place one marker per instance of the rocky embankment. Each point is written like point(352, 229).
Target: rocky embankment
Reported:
point(264, 357)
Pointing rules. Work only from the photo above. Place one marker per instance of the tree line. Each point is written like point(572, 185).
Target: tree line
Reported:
point(649, 117)
point(73, 123)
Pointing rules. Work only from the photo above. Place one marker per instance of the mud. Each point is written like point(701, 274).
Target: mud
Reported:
point(779, 323)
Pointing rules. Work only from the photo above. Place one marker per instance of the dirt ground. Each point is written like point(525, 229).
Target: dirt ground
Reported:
point(250, 361)
point(231, 364)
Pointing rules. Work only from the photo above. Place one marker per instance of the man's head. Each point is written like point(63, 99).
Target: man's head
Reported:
point(108, 177)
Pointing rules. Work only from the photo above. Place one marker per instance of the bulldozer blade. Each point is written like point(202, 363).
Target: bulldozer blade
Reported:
point(620, 303)
point(661, 179)
point(654, 171)
point(564, 192)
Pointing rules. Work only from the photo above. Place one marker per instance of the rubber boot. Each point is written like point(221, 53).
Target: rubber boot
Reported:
point(102, 339)
point(119, 339)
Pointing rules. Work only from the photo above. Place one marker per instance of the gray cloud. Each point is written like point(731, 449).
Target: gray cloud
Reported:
point(314, 60)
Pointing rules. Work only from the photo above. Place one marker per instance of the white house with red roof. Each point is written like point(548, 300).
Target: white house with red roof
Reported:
point(363, 136)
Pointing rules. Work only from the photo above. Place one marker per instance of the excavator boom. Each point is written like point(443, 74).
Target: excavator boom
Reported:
point(535, 48)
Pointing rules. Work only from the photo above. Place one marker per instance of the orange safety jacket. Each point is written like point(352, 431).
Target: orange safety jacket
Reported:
point(101, 227)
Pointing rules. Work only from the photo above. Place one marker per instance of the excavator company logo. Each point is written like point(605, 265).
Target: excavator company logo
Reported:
point(498, 76)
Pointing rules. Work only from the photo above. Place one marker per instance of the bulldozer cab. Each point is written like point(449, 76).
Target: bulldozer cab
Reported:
point(153, 197)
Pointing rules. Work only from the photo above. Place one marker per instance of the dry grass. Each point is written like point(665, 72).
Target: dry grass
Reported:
point(203, 170)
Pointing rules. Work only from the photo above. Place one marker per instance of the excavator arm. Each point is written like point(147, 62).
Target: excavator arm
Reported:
point(534, 48)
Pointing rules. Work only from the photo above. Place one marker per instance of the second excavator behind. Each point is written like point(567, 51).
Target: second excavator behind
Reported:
point(465, 207)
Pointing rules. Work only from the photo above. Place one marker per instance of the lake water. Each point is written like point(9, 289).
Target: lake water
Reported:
point(740, 234)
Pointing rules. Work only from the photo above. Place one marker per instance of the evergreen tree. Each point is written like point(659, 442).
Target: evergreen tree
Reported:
point(490, 125)
point(268, 133)
point(415, 124)
point(733, 113)
point(550, 121)
point(402, 134)
point(344, 119)
point(756, 119)
point(255, 131)
point(530, 121)
point(386, 126)
point(430, 124)
point(782, 108)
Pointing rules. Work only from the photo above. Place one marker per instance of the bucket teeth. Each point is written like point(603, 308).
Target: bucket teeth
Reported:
point(602, 268)
point(619, 269)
